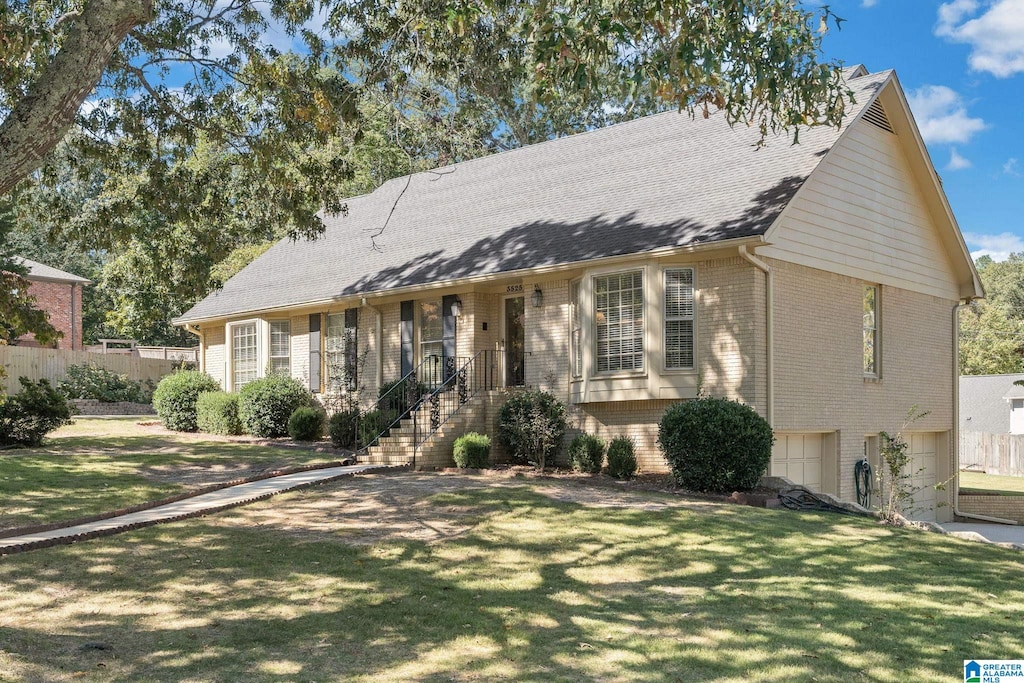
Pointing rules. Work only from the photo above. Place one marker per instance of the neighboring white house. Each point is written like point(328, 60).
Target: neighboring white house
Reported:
point(992, 404)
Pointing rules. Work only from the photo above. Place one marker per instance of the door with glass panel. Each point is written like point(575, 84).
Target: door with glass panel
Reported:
point(515, 342)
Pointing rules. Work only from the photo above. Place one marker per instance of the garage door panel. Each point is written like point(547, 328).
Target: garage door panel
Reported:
point(923, 471)
point(797, 457)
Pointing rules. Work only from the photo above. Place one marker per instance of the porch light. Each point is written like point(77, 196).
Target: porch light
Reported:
point(457, 307)
point(537, 297)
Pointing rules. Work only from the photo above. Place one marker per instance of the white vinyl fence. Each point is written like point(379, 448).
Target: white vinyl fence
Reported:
point(52, 364)
point(992, 453)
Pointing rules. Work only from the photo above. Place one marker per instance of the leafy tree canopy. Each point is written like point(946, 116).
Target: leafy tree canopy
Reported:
point(992, 329)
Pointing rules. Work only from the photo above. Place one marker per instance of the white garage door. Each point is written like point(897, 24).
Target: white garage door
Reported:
point(797, 457)
point(924, 474)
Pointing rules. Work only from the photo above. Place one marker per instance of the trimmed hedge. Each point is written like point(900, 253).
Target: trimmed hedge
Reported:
point(176, 396)
point(716, 445)
point(586, 453)
point(531, 425)
point(472, 450)
point(621, 458)
point(31, 414)
point(266, 404)
point(217, 413)
point(306, 424)
point(342, 428)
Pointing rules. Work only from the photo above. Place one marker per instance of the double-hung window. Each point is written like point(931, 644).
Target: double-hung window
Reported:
point(244, 355)
point(280, 347)
point(431, 329)
point(341, 351)
point(575, 330)
point(679, 318)
point(619, 322)
point(871, 331)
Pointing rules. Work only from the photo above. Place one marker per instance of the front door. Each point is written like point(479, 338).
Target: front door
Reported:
point(515, 342)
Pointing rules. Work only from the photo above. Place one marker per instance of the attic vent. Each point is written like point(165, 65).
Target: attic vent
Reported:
point(875, 115)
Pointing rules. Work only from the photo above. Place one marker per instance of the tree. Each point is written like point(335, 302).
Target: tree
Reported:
point(992, 330)
point(19, 314)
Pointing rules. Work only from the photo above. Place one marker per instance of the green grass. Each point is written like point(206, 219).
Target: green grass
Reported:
point(97, 465)
point(532, 590)
point(971, 482)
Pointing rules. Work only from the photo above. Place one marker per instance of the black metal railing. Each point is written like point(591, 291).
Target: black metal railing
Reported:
point(480, 373)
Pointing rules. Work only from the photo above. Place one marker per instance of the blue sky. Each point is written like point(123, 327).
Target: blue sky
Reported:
point(961, 64)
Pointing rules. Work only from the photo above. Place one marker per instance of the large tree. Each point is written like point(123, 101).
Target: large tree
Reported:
point(18, 312)
point(992, 329)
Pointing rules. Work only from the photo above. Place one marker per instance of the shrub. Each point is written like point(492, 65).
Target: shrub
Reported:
point(176, 395)
point(715, 445)
point(401, 401)
point(342, 428)
point(531, 425)
point(265, 404)
point(89, 380)
point(621, 458)
point(375, 423)
point(306, 424)
point(217, 413)
point(27, 417)
point(472, 450)
point(586, 453)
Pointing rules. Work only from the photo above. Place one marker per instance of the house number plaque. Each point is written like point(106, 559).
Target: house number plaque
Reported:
point(513, 289)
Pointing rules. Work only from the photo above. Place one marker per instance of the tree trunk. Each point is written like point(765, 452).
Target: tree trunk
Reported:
point(41, 119)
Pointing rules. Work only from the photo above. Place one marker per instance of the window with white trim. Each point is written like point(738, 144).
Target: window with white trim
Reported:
point(575, 330)
point(340, 350)
point(245, 363)
point(431, 329)
point(871, 336)
point(679, 318)
point(281, 347)
point(619, 322)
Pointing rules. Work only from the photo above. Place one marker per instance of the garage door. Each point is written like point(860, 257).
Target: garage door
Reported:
point(924, 474)
point(797, 457)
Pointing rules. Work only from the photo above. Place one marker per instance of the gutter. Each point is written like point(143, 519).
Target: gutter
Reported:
point(769, 300)
point(956, 424)
point(380, 340)
point(194, 329)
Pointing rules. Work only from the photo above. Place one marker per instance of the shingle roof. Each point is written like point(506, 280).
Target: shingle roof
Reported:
point(658, 182)
point(39, 271)
point(983, 404)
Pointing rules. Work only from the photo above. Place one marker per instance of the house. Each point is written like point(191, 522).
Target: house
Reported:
point(992, 404)
point(59, 294)
point(627, 268)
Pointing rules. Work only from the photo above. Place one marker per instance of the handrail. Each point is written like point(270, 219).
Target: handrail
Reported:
point(476, 375)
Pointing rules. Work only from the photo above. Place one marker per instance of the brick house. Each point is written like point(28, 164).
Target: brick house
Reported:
point(59, 294)
point(627, 268)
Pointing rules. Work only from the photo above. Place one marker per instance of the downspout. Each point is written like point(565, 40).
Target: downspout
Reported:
point(769, 324)
point(202, 345)
point(380, 341)
point(956, 425)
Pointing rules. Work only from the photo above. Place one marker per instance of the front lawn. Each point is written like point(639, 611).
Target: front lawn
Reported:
point(979, 482)
point(419, 577)
point(98, 465)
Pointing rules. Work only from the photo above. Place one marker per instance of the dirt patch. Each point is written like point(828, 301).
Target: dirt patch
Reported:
point(369, 509)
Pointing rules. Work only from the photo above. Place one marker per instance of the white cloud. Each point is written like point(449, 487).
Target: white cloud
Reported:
point(999, 247)
point(957, 162)
point(942, 116)
point(996, 36)
point(868, 3)
point(1010, 167)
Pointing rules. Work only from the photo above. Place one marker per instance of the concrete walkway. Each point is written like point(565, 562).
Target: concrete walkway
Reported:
point(201, 504)
point(993, 533)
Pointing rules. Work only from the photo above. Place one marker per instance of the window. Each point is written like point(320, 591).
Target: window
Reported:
point(280, 347)
point(871, 336)
point(341, 350)
point(619, 322)
point(575, 331)
point(244, 355)
point(679, 318)
point(431, 329)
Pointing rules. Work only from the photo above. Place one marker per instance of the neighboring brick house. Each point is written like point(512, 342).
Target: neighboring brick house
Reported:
point(627, 268)
point(59, 294)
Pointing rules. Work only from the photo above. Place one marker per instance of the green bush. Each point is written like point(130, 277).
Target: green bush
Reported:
point(472, 450)
point(400, 402)
point(89, 380)
point(531, 425)
point(715, 445)
point(265, 404)
point(306, 424)
point(586, 453)
point(375, 423)
point(217, 413)
point(342, 428)
point(621, 458)
point(176, 395)
point(28, 416)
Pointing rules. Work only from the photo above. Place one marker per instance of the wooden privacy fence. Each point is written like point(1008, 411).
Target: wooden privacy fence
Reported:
point(992, 453)
point(52, 364)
